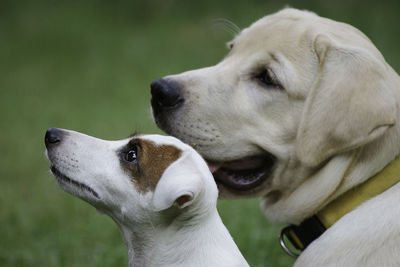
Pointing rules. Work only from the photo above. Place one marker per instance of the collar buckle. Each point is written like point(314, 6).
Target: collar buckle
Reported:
point(284, 233)
point(300, 236)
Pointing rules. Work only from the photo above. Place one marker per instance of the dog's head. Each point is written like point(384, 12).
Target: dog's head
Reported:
point(294, 90)
point(132, 180)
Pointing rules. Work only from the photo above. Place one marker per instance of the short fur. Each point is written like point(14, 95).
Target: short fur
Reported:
point(172, 220)
point(332, 124)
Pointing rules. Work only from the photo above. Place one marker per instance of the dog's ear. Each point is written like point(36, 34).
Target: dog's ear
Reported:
point(350, 104)
point(180, 184)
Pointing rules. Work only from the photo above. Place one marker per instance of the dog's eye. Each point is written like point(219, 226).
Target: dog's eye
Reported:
point(268, 78)
point(131, 155)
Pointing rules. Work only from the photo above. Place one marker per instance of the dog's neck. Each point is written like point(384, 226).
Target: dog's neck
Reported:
point(338, 176)
point(188, 240)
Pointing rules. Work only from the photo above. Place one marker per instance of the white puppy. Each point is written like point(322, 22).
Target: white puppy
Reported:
point(300, 111)
point(158, 190)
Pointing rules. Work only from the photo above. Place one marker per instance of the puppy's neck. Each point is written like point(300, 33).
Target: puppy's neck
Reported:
point(188, 240)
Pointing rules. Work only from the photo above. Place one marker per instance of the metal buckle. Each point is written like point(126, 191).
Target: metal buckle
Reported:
point(283, 245)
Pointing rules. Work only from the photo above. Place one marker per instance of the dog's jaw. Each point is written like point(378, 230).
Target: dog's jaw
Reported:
point(72, 186)
point(65, 169)
point(243, 174)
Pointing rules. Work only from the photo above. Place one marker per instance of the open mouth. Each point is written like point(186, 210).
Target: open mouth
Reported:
point(61, 177)
point(243, 174)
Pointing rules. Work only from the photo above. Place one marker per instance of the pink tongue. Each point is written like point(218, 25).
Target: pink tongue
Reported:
point(237, 165)
point(213, 166)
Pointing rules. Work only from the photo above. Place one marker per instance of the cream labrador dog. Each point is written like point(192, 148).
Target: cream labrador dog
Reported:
point(302, 110)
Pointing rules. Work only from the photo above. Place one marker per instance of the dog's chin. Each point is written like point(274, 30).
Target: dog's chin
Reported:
point(74, 187)
point(245, 175)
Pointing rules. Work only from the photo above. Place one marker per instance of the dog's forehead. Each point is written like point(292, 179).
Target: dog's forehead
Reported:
point(161, 140)
point(156, 154)
point(278, 28)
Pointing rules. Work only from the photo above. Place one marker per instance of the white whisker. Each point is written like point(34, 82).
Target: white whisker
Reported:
point(226, 25)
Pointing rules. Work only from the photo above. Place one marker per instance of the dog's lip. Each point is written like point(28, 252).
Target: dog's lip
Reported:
point(65, 179)
point(243, 174)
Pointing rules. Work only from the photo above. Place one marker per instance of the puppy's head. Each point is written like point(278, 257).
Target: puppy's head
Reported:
point(294, 90)
point(134, 179)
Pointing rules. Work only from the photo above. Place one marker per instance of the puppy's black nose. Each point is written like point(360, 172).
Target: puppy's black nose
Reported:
point(165, 94)
point(53, 137)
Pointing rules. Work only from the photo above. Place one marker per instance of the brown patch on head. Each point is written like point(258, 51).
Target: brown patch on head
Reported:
point(152, 160)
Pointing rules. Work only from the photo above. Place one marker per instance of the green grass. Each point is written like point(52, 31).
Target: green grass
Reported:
point(87, 66)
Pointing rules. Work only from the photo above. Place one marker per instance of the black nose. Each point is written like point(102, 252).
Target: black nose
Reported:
point(53, 137)
point(165, 94)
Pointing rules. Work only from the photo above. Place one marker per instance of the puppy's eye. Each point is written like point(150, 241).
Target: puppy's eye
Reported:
point(131, 155)
point(268, 78)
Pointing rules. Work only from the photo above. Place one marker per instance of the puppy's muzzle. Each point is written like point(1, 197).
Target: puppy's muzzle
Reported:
point(53, 137)
point(165, 96)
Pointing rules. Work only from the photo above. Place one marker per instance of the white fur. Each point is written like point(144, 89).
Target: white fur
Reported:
point(334, 125)
point(156, 231)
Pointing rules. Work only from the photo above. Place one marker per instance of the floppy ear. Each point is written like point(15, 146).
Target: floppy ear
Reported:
point(180, 183)
point(350, 104)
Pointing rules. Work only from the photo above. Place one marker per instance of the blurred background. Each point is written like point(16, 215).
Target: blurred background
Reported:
point(87, 66)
